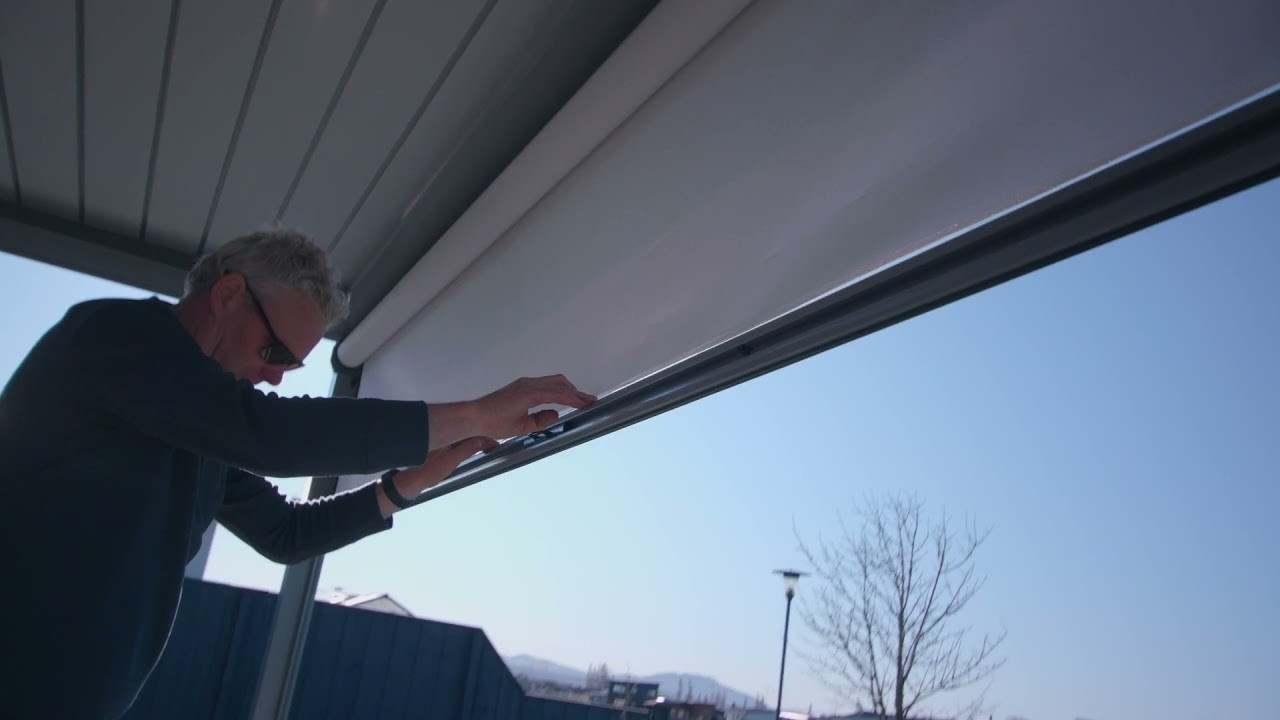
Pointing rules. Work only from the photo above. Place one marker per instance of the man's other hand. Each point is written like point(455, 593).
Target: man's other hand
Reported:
point(412, 482)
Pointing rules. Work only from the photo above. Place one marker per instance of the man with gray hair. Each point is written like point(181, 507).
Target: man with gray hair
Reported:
point(133, 424)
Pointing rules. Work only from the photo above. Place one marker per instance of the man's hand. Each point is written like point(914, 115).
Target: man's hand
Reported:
point(505, 413)
point(414, 481)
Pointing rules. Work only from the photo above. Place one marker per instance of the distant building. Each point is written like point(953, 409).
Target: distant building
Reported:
point(551, 690)
point(860, 715)
point(762, 714)
point(380, 602)
point(629, 693)
point(663, 710)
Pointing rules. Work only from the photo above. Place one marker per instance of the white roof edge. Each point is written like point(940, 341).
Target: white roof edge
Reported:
point(665, 41)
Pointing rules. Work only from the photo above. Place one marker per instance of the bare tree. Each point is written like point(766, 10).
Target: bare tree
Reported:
point(883, 617)
point(597, 676)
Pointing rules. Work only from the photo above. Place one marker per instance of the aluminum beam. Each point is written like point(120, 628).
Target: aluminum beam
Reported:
point(50, 239)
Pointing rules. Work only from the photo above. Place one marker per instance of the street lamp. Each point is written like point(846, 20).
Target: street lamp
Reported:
point(790, 578)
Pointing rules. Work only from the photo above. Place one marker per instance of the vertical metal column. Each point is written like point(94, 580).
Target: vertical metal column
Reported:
point(782, 671)
point(195, 568)
point(297, 595)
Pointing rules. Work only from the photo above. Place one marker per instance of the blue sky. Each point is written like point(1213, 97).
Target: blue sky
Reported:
point(1114, 418)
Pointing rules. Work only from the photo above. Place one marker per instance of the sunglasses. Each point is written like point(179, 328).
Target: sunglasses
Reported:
point(277, 353)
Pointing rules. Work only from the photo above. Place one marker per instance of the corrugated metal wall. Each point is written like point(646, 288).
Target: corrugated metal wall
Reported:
point(210, 666)
point(357, 664)
point(545, 709)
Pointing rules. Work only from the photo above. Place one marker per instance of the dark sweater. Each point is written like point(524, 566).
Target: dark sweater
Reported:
point(120, 441)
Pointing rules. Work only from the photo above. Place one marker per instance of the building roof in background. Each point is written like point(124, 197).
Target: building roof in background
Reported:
point(380, 602)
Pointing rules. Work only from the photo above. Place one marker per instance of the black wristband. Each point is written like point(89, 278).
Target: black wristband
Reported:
point(392, 492)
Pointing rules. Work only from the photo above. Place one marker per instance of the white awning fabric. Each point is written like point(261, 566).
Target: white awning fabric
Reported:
point(729, 165)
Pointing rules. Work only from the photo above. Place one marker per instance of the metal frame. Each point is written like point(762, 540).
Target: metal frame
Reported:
point(68, 244)
point(279, 673)
point(1232, 152)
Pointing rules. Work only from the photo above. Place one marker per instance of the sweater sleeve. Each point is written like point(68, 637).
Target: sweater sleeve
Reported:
point(287, 531)
point(145, 370)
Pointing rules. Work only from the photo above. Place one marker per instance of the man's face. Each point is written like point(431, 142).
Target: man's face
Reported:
point(263, 333)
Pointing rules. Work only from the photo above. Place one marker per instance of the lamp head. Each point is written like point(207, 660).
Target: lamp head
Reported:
point(790, 578)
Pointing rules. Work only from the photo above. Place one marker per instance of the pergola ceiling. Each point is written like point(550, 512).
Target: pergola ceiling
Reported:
point(142, 133)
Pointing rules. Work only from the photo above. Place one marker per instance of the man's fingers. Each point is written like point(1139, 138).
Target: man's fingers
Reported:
point(441, 462)
point(467, 447)
point(571, 398)
point(508, 409)
point(556, 389)
point(544, 419)
point(457, 452)
point(481, 444)
point(567, 387)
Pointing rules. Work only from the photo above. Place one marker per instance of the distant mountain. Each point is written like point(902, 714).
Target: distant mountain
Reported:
point(700, 687)
point(540, 669)
point(670, 684)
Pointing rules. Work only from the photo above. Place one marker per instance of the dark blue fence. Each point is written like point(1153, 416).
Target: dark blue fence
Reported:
point(536, 708)
point(357, 665)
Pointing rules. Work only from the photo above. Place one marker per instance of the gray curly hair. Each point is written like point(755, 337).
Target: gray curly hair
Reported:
point(272, 259)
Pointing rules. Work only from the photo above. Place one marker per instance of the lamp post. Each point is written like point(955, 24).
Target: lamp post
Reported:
point(790, 578)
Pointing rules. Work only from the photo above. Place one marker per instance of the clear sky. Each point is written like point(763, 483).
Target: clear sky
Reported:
point(1115, 418)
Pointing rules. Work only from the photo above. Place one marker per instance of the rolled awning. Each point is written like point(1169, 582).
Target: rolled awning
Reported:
point(729, 167)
